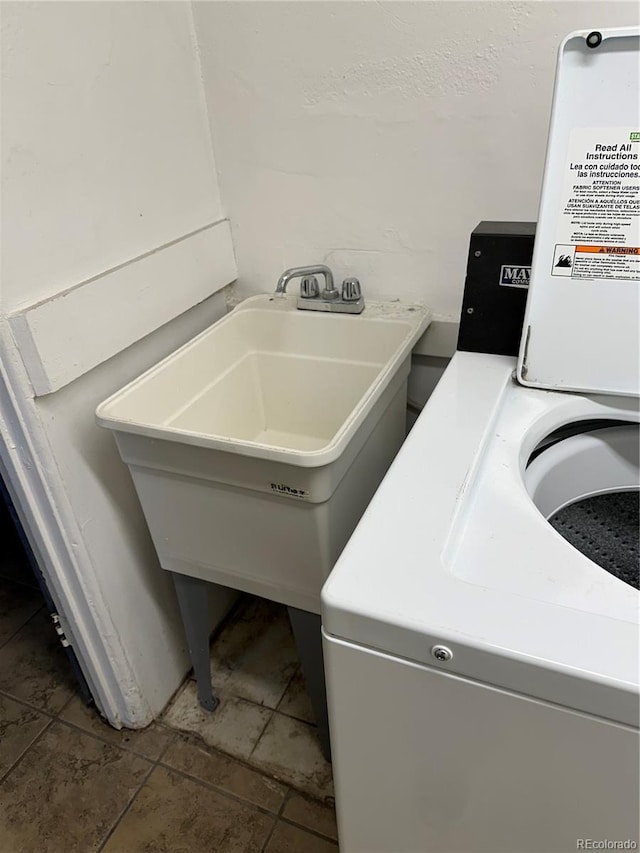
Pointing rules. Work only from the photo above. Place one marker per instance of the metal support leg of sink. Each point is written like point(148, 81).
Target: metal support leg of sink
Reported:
point(306, 631)
point(193, 598)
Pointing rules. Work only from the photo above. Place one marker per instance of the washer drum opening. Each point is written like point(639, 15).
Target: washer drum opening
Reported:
point(588, 487)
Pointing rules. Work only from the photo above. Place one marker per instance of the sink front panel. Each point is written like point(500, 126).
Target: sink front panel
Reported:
point(278, 530)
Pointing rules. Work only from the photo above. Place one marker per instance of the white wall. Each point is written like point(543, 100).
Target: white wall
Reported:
point(106, 154)
point(376, 135)
point(106, 158)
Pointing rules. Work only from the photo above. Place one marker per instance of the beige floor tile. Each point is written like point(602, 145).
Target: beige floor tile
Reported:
point(255, 655)
point(296, 702)
point(172, 813)
point(234, 727)
point(225, 773)
point(148, 742)
point(312, 814)
point(33, 666)
point(289, 750)
point(67, 792)
point(290, 839)
point(19, 726)
point(17, 605)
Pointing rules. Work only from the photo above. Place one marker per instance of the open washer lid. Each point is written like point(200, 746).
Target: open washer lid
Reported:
point(581, 327)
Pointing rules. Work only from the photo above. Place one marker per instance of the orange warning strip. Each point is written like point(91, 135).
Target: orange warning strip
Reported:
point(609, 250)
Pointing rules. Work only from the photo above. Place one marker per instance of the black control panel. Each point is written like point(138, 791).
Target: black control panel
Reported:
point(495, 290)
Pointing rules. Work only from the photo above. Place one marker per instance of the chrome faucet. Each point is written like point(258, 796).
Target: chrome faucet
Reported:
point(312, 298)
point(317, 269)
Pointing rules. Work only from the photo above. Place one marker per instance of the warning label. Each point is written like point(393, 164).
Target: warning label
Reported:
point(598, 233)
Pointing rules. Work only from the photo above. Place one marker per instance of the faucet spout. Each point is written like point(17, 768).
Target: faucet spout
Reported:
point(295, 272)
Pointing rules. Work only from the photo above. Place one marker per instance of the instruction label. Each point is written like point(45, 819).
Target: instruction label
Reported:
point(598, 233)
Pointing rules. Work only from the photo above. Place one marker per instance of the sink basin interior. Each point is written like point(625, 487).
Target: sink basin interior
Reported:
point(280, 378)
point(281, 400)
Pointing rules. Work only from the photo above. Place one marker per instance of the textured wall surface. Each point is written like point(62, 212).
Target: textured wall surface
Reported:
point(376, 135)
point(105, 147)
point(106, 156)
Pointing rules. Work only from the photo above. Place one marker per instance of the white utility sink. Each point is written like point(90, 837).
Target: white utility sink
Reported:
point(257, 445)
point(270, 381)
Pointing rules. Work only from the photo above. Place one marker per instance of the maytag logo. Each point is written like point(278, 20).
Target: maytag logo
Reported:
point(511, 276)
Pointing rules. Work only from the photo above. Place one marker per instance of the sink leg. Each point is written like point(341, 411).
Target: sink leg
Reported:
point(306, 631)
point(193, 598)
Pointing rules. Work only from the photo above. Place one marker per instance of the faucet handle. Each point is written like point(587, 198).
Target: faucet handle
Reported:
point(351, 290)
point(309, 287)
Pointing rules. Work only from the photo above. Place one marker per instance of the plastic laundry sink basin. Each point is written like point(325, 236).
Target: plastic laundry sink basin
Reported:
point(270, 381)
point(256, 447)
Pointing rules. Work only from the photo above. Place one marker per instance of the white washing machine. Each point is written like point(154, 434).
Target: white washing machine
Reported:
point(481, 632)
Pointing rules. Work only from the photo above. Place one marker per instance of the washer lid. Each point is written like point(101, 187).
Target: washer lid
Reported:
point(581, 326)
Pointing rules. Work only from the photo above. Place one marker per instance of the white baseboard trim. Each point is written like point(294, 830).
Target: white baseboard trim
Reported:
point(65, 336)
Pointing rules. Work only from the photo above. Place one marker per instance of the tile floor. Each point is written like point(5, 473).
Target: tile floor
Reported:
point(264, 716)
point(69, 782)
